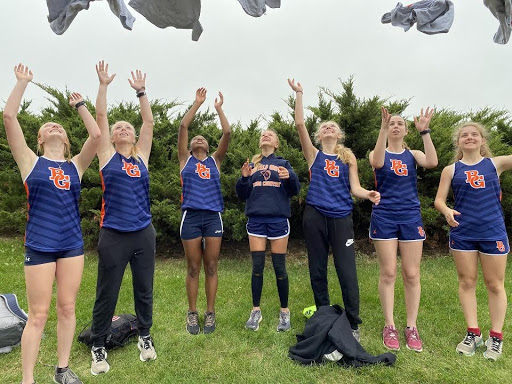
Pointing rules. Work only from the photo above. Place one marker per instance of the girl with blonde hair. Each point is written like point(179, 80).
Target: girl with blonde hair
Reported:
point(477, 231)
point(266, 186)
point(127, 235)
point(327, 217)
point(53, 237)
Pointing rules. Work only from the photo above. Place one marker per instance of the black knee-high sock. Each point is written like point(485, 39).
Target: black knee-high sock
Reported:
point(279, 262)
point(258, 264)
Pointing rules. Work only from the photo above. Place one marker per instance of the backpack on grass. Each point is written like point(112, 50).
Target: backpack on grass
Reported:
point(122, 330)
point(12, 322)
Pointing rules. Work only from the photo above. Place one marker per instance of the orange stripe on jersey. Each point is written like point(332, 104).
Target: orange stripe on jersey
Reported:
point(309, 174)
point(181, 181)
point(102, 200)
point(375, 178)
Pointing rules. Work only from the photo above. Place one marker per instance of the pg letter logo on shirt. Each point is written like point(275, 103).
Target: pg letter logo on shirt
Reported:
point(399, 168)
point(474, 179)
point(202, 171)
point(131, 170)
point(331, 168)
point(60, 180)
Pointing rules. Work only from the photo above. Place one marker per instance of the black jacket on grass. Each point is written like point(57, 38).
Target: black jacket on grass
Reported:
point(329, 330)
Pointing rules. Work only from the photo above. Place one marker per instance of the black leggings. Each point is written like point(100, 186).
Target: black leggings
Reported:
point(117, 249)
point(258, 265)
point(321, 232)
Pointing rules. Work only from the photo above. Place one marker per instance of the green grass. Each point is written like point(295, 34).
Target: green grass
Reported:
point(232, 354)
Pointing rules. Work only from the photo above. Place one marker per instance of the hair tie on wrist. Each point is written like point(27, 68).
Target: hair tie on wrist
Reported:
point(79, 104)
point(299, 92)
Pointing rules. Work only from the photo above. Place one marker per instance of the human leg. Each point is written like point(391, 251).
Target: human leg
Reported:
point(39, 284)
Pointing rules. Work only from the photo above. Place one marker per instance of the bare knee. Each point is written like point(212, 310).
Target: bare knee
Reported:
point(387, 277)
point(66, 310)
point(467, 283)
point(411, 278)
point(211, 269)
point(38, 318)
point(193, 270)
point(495, 287)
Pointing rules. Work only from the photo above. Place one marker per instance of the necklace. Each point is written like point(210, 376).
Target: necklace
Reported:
point(56, 163)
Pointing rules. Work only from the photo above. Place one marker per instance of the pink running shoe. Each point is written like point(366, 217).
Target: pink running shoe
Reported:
point(413, 340)
point(390, 338)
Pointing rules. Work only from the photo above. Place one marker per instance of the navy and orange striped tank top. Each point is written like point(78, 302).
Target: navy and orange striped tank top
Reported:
point(53, 219)
point(125, 206)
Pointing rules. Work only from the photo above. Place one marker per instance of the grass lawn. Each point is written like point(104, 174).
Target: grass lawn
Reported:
point(234, 355)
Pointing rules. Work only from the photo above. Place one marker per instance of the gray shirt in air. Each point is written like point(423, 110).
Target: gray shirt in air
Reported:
point(431, 16)
point(181, 14)
point(502, 10)
point(257, 8)
point(61, 13)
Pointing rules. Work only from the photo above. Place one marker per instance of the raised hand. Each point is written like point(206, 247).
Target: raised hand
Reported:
point(296, 87)
point(283, 173)
point(217, 104)
point(22, 73)
point(102, 71)
point(386, 118)
point(424, 120)
point(138, 81)
point(246, 169)
point(75, 98)
point(201, 95)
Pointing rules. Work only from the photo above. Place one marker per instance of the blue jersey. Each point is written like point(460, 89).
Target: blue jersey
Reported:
point(396, 182)
point(125, 206)
point(477, 193)
point(329, 188)
point(53, 190)
point(200, 182)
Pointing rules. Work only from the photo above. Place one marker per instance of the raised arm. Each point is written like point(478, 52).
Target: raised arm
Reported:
point(429, 158)
point(105, 148)
point(220, 153)
point(22, 154)
point(308, 148)
point(503, 163)
point(138, 82)
point(84, 158)
point(378, 154)
point(185, 123)
point(442, 194)
point(355, 185)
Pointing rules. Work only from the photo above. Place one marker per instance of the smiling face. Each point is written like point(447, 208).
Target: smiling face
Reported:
point(55, 133)
point(199, 143)
point(269, 139)
point(470, 138)
point(122, 132)
point(328, 130)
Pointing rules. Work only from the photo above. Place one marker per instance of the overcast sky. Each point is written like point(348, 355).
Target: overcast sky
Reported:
point(249, 59)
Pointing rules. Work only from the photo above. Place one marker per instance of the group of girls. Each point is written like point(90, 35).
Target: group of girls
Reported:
point(54, 246)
